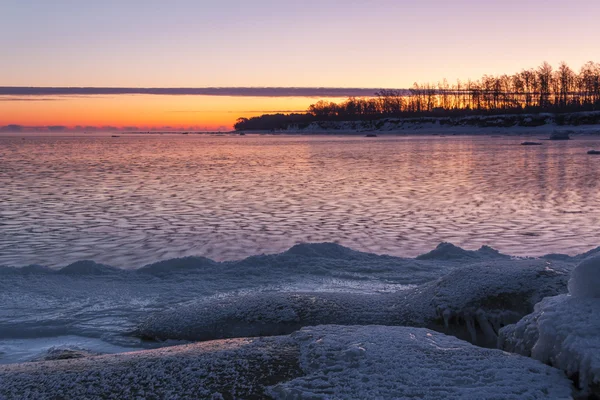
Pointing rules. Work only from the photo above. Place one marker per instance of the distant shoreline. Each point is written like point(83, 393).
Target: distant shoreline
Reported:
point(518, 124)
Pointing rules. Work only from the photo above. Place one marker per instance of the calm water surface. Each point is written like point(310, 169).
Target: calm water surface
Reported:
point(135, 199)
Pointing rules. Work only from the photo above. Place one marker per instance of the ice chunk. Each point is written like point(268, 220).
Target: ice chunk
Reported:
point(563, 331)
point(267, 314)
point(585, 278)
point(87, 267)
point(379, 362)
point(475, 301)
point(64, 353)
point(448, 251)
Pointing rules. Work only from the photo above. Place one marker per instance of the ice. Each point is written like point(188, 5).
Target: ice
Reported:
point(42, 348)
point(317, 362)
point(471, 302)
point(475, 301)
point(320, 283)
point(88, 299)
point(64, 353)
point(585, 278)
point(308, 259)
point(267, 314)
point(448, 251)
point(239, 368)
point(379, 362)
point(564, 331)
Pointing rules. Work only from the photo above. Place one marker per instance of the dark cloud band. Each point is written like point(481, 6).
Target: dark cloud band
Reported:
point(215, 91)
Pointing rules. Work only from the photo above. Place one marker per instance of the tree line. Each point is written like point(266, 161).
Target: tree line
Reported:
point(541, 89)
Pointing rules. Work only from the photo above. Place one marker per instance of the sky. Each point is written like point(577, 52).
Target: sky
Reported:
point(265, 43)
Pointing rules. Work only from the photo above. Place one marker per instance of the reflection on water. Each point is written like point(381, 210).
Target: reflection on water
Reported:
point(133, 200)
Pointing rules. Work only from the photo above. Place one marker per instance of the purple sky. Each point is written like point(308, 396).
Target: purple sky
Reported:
point(386, 43)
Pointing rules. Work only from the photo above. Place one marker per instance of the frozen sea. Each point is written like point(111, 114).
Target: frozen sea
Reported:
point(238, 207)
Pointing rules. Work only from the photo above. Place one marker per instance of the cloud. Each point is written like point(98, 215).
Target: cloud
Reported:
point(16, 98)
point(210, 91)
point(15, 128)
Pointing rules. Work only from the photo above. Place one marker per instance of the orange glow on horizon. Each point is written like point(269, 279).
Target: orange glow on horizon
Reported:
point(143, 111)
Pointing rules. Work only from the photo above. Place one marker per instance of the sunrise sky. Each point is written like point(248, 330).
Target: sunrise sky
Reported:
point(261, 43)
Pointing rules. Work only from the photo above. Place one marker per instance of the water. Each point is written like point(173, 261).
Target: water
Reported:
point(134, 200)
point(137, 199)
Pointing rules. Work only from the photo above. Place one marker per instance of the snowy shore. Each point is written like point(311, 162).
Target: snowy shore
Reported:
point(490, 326)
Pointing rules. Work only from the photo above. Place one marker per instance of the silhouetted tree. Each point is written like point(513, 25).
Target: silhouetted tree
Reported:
point(540, 89)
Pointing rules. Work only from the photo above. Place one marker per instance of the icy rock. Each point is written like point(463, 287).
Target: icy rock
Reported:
point(585, 278)
point(563, 331)
point(239, 368)
point(380, 362)
point(472, 302)
point(64, 353)
point(266, 314)
point(475, 301)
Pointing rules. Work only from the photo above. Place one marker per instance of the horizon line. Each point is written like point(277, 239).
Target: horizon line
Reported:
point(241, 91)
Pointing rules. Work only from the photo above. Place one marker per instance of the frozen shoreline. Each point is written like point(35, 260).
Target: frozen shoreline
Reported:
point(350, 353)
point(350, 362)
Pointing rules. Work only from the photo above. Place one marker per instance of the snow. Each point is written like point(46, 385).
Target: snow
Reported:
point(472, 302)
point(585, 278)
point(317, 362)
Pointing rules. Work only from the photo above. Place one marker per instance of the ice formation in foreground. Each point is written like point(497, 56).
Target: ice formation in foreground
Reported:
point(564, 331)
point(585, 278)
point(471, 302)
point(380, 362)
point(353, 362)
